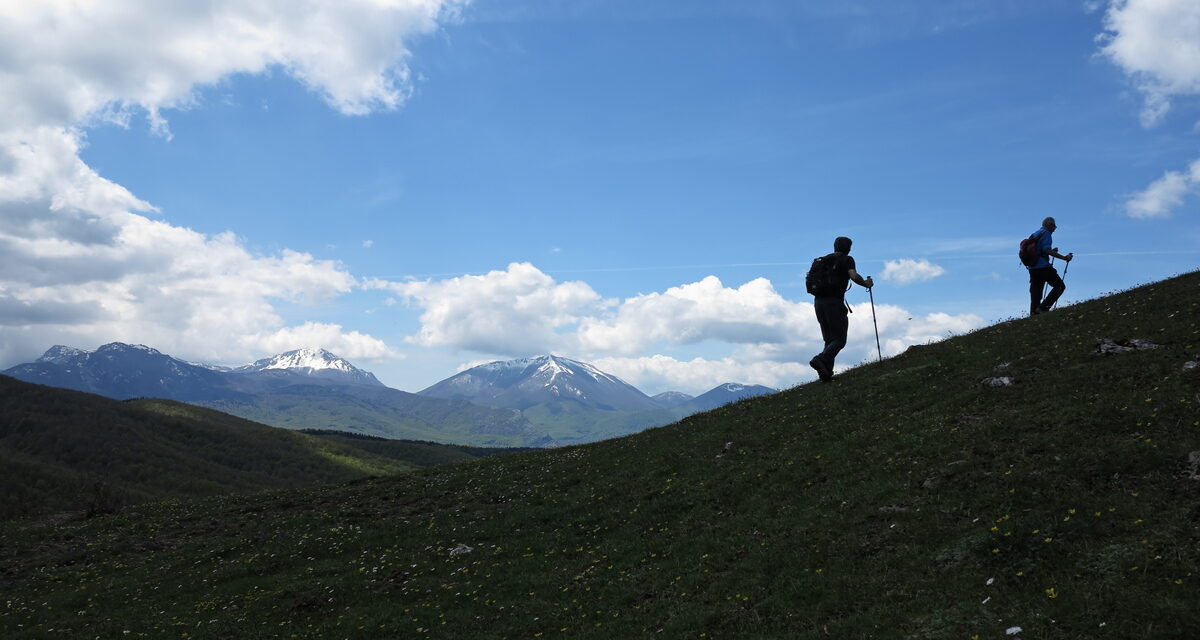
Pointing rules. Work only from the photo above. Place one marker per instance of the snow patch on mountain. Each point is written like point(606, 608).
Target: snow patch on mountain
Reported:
point(312, 361)
point(312, 358)
point(62, 354)
point(523, 382)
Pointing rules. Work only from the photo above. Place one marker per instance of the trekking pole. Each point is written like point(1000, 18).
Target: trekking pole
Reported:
point(871, 292)
point(1064, 277)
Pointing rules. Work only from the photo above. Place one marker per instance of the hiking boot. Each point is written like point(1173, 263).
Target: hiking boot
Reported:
point(823, 371)
point(1043, 309)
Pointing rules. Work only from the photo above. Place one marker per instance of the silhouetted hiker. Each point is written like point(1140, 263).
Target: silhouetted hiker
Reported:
point(827, 281)
point(1042, 272)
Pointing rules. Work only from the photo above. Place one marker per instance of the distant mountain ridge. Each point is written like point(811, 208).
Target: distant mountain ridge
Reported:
point(573, 401)
point(300, 389)
point(525, 382)
point(724, 394)
point(121, 371)
point(540, 401)
point(671, 399)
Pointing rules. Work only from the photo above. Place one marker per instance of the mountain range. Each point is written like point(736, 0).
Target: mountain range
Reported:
point(541, 401)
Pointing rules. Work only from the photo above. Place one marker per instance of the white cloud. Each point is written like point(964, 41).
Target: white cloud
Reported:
point(907, 271)
point(367, 244)
point(696, 312)
point(332, 337)
point(1157, 43)
point(899, 329)
point(1164, 195)
point(67, 61)
point(79, 258)
point(658, 373)
point(518, 311)
point(522, 311)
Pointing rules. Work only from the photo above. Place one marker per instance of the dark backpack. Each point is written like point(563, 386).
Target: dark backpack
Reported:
point(823, 279)
point(1029, 252)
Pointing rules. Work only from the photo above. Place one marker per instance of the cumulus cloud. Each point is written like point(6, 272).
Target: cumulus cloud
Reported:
point(518, 311)
point(899, 329)
point(522, 311)
point(1157, 43)
point(908, 271)
point(696, 312)
point(332, 337)
point(81, 258)
point(196, 296)
point(67, 61)
point(659, 373)
point(1164, 195)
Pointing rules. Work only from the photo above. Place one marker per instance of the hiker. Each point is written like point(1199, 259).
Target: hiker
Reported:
point(828, 281)
point(1042, 272)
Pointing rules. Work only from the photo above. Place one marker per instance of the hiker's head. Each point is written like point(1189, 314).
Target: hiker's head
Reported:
point(842, 244)
point(1048, 224)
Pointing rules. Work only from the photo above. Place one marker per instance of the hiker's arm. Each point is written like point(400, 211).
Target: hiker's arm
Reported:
point(1054, 252)
point(868, 282)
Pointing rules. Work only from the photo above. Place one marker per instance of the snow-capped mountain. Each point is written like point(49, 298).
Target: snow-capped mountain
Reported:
point(314, 363)
point(522, 383)
point(120, 370)
point(724, 394)
point(671, 399)
point(64, 355)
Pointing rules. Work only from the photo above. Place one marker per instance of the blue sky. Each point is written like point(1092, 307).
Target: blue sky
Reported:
point(423, 186)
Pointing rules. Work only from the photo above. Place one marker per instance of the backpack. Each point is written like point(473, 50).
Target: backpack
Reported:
point(1029, 252)
point(822, 279)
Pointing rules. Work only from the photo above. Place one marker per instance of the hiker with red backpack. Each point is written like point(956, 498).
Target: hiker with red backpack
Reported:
point(1036, 252)
point(827, 281)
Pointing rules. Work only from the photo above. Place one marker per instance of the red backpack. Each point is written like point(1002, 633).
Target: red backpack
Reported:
point(1029, 252)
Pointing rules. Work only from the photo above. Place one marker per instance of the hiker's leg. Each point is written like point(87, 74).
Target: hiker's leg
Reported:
point(1036, 283)
point(823, 320)
point(1057, 286)
point(838, 325)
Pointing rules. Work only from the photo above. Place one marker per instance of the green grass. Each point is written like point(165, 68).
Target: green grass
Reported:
point(569, 422)
point(907, 500)
point(383, 412)
point(67, 451)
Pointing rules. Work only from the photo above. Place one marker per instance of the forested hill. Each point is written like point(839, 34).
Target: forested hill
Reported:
point(68, 451)
point(1039, 478)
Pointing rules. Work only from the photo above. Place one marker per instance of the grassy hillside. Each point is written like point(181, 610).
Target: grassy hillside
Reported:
point(383, 412)
point(64, 450)
point(907, 500)
point(567, 421)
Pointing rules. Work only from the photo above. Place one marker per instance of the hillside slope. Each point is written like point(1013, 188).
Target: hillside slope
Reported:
point(66, 450)
point(386, 413)
point(907, 500)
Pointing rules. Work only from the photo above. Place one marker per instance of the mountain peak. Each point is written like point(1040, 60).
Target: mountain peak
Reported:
point(524, 382)
point(62, 354)
point(122, 347)
point(313, 361)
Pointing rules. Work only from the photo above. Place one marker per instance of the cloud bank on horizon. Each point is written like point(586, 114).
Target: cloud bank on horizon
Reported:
point(84, 260)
